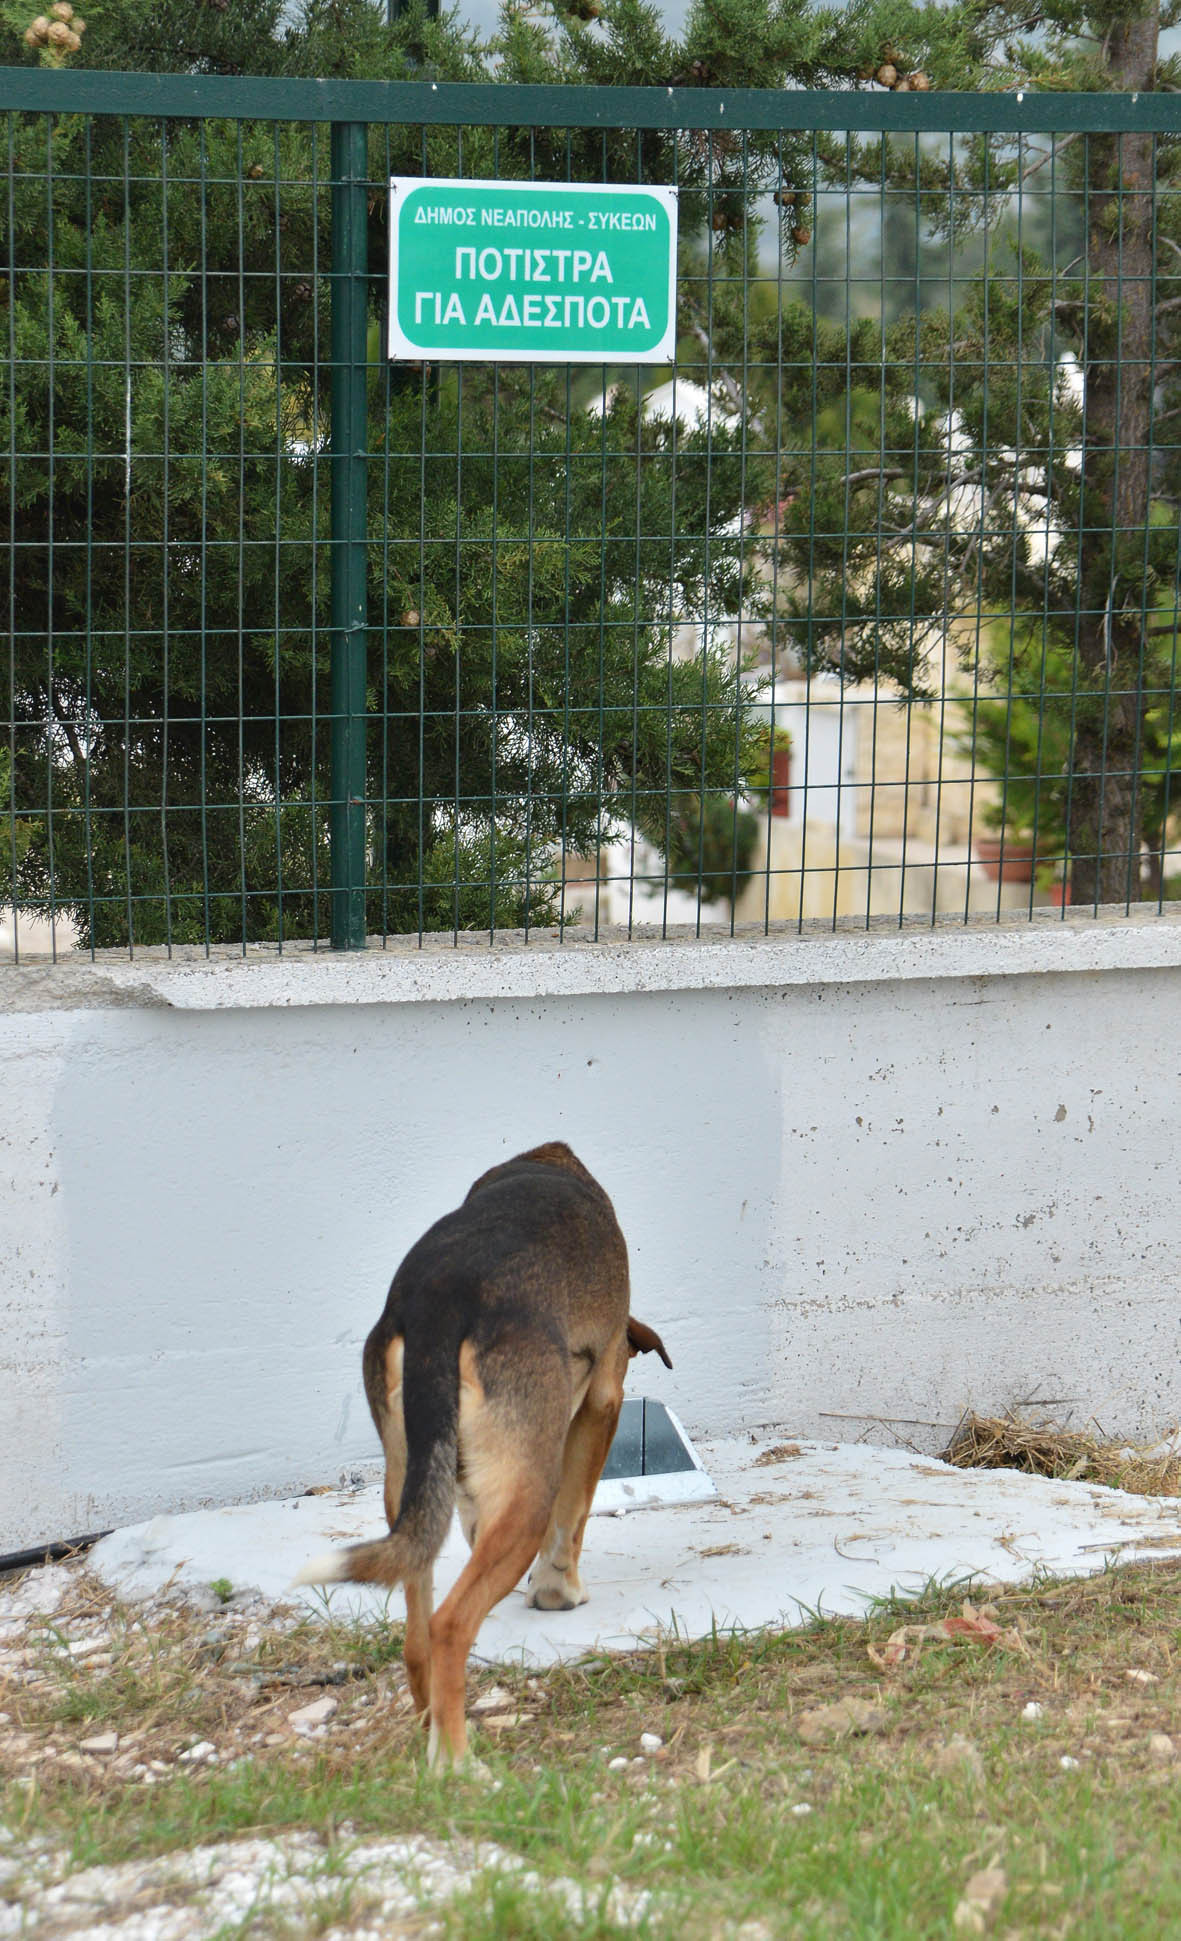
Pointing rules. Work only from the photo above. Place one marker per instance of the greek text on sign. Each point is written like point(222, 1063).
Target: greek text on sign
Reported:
point(532, 272)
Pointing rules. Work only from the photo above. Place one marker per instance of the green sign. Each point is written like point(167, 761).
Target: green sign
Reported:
point(532, 272)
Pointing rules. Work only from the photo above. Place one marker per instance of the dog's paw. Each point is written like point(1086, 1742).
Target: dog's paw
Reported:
point(554, 1590)
point(552, 1600)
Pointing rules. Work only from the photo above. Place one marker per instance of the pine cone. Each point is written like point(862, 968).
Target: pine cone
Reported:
point(59, 33)
point(62, 10)
point(887, 74)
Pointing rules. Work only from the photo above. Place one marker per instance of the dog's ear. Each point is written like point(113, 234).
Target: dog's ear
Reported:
point(642, 1340)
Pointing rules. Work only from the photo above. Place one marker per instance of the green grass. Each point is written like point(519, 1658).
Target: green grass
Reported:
point(893, 1830)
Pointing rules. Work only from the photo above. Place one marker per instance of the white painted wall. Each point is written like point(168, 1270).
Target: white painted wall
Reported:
point(878, 1176)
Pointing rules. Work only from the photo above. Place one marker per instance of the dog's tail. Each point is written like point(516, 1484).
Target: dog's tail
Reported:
point(430, 1399)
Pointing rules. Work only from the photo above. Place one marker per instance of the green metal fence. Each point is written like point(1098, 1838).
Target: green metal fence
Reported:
point(865, 610)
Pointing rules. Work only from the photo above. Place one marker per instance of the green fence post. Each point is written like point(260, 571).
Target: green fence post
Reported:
point(350, 437)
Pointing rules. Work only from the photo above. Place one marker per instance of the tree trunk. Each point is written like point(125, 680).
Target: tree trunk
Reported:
point(1105, 825)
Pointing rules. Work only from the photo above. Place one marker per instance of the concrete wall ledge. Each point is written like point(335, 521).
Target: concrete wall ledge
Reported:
point(440, 970)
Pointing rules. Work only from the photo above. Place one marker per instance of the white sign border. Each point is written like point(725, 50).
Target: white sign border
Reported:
point(400, 349)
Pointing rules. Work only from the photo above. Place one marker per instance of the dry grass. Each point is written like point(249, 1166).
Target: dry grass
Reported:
point(1071, 1455)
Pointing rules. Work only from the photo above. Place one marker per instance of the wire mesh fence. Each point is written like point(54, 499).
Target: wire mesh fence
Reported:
point(865, 609)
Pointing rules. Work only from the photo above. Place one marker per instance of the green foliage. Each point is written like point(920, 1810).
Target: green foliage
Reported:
point(1024, 722)
point(1017, 473)
point(759, 771)
point(171, 652)
point(711, 847)
point(931, 458)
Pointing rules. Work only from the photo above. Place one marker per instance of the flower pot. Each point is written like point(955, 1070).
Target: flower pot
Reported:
point(1005, 862)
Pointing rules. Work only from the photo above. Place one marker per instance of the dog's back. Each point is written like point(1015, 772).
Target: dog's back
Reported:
point(534, 1246)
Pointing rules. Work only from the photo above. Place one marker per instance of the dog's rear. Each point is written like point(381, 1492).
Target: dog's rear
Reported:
point(495, 1376)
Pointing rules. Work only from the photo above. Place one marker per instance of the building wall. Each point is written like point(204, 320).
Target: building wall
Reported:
point(862, 1177)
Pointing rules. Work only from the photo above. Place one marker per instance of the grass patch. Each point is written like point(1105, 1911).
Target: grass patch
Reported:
point(1048, 1762)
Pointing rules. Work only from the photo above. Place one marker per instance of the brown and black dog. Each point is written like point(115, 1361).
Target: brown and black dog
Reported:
point(495, 1379)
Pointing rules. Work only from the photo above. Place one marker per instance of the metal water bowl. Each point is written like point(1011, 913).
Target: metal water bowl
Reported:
point(651, 1462)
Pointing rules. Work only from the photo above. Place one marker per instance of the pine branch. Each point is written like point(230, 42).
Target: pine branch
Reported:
point(69, 730)
point(729, 385)
point(871, 472)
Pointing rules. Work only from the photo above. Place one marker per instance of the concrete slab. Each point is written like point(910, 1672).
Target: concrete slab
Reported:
point(795, 1528)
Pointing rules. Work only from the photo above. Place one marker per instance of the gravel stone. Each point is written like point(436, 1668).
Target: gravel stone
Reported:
point(194, 1893)
point(317, 1713)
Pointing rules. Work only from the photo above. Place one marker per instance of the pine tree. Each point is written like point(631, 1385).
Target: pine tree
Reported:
point(169, 498)
point(1035, 492)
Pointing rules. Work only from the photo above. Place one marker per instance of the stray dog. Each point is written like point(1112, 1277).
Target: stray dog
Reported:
point(495, 1379)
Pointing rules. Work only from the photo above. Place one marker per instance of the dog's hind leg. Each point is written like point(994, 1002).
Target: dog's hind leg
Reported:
point(416, 1647)
point(510, 1439)
point(504, 1548)
point(386, 1403)
point(555, 1584)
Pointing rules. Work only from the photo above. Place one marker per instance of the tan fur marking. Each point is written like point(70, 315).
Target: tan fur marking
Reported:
point(579, 1395)
point(489, 1453)
point(469, 1374)
point(394, 1356)
point(393, 1430)
point(465, 1503)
